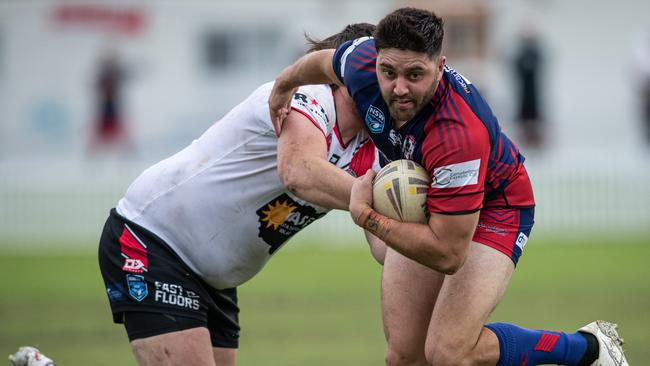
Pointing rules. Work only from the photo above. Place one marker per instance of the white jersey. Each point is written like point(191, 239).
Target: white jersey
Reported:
point(219, 203)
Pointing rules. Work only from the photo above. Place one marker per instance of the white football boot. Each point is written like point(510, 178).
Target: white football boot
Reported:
point(610, 345)
point(30, 356)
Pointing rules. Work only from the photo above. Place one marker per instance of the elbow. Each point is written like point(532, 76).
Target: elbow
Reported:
point(451, 263)
point(290, 176)
point(449, 267)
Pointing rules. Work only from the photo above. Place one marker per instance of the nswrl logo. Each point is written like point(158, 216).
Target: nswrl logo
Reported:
point(375, 119)
point(137, 286)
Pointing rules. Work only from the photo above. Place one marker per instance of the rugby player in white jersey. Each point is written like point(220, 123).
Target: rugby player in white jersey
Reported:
point(193, 227)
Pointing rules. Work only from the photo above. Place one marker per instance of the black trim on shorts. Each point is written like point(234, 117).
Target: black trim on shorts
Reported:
point(147, 324)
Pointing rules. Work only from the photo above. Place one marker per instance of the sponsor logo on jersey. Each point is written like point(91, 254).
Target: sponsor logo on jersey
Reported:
point(281, 218)
point(312, 107)
point(408, 147)
point(115, 292)
point(137, 286)
point(492, 228)
point(134, 251)
point(460, 79)
point(456, 175)
point(133, 265)
point(176, 295)
point(375, 119)
point(521, 240)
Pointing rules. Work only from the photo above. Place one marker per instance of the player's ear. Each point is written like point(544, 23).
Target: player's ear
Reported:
point(441, 65)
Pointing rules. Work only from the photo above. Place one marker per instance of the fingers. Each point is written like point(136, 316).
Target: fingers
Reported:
point(279, 107)
point(369, 176)
point(277, 118)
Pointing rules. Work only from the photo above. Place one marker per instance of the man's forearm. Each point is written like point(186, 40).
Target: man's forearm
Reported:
point(317, 181)
point(313, 68)
point(413, 240)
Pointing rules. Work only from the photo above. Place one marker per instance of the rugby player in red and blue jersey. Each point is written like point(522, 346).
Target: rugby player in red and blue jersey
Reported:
point(442, 280)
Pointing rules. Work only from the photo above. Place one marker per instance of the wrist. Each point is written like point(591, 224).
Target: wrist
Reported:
point(360, 215)
point(376, 223)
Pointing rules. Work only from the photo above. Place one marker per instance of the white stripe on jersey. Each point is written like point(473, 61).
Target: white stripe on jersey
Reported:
point(349, 50)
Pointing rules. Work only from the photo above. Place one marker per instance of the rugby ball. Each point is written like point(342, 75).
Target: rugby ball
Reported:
point(399, 191)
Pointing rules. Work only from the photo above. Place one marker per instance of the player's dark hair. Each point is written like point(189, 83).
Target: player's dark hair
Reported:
point(350, 32)
point(410, 29)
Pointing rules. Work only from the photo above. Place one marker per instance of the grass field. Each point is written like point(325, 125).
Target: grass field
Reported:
point(318, 306)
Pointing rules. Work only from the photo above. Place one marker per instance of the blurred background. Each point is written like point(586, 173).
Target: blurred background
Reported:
point(92, 93)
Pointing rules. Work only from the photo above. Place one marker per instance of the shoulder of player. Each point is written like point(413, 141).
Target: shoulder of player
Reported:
point(357, 58)
point(316, 91)
point(309, 96)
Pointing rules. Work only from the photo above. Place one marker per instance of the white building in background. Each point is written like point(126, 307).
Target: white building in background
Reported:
point(188, 63)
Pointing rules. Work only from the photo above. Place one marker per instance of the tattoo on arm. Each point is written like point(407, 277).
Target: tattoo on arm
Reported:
point(377, 224)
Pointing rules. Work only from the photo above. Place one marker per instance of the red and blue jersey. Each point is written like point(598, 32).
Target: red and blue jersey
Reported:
point(456, 137)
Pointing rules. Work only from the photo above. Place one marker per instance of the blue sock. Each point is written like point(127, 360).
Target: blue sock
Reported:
point(525, 347)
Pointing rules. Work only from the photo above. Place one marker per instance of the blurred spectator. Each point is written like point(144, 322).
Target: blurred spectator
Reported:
point(108, 128)
point(642, 60)
point(528, 66)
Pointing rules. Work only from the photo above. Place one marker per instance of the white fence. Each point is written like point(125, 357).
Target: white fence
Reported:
point(64, 203)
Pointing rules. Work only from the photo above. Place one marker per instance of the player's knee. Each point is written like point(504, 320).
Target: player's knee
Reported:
point(400, 357)
point(443, 355)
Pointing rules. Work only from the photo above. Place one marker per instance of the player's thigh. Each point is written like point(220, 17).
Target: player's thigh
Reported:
point(188, 347)
point(466, 300)
point(408, 295)
point(224, 356)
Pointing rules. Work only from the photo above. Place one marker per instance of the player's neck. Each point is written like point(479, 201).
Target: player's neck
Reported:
point(347, 118)
point(399, 124)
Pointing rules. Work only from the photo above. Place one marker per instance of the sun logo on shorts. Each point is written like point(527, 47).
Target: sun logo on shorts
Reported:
point(277, 213)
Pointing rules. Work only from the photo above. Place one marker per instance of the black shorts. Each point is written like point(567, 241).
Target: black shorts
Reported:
point(143, 276)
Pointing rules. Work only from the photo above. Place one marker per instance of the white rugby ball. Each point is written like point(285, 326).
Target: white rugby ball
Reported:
point(399, 191)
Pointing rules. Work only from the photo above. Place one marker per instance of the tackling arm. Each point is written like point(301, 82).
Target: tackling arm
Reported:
point(303, 168)
point(312, 68)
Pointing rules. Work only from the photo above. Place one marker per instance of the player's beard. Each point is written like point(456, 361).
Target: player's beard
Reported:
point(415, 105)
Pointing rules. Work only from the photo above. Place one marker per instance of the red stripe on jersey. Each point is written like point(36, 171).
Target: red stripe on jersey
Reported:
point(311, 119)
point(455, 135)
point(465, 138)
point(547, 342)
point(365, 52)
point(363, 159)
point(370, 59)
point(132, 248)
point(362, 66)
point(338, 136)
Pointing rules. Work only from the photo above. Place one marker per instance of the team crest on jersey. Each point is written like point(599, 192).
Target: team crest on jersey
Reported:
point(394, 138)
point(281, 218)
point(408, 147)
point(375, 119)
point(137, 286)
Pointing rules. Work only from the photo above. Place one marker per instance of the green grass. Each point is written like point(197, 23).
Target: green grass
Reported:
point(319, 306)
